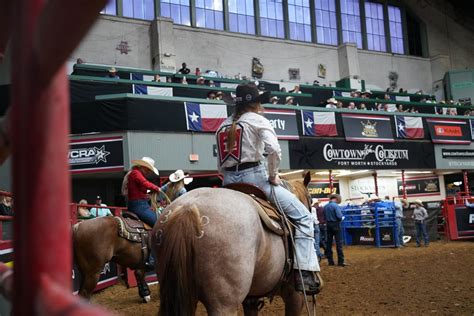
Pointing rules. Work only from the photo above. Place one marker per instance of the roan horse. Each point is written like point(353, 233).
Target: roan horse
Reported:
point(96, 242)
point(211, 247)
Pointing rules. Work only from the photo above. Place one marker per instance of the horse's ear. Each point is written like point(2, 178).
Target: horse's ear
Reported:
point(307, 178)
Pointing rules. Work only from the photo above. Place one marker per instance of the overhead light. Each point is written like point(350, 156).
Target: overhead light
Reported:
point(457, 183)
point(291, 172)
point(349, 173)
point(412, 172)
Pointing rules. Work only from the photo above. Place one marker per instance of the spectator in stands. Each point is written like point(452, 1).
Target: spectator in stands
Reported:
point(315, 83)
point(355, 94)
point(212, 83)
point(184, 69)
point(176, 186)
point(289, 100)
point(113, 73)
point(197, 72)
point(333, 215)
point(331, 103)
point(339, 105)
point(366, 94)
point(6, 206)
point(351, 106)
point(381, 107)
point(282, 89)
point(169, 80)
point(211, 95)
point(452, 111)
point(420, 215)
point(201, 81)
point(80, 61)
point(274, 100)
point(219, 95)
point(100, 211)
point(399, 206)
point(184, 81)
point(467, 113)
point(82, 211)
point(362, 107)
point(296, 89)
point(157, 78)
point(400, 108)
point(400, 90)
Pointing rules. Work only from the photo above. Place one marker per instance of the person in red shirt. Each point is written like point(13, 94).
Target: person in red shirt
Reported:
point(135, 187)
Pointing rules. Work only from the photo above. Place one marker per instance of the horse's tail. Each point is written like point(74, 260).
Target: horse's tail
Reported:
point(178, 288)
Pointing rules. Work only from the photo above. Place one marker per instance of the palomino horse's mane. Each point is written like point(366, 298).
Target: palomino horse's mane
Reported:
point(298, 188)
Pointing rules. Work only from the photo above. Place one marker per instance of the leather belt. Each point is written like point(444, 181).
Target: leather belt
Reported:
point(243, 166)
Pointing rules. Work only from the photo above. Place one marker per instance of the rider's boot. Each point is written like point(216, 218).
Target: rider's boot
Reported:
point(150, 264)
point(311, 281)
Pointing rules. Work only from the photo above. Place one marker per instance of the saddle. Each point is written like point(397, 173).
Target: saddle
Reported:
point(131, 228)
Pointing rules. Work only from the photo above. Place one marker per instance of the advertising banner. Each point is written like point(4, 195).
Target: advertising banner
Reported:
point(321, 189)
point(367, 128)
point(454, 157)
point(312, 153)
point(446, 131)
point(465, 221)
point(422, 186)
point(284, 123)
point(96, 155)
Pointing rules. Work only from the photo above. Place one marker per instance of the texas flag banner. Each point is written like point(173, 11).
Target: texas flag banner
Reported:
point(318, 123)
point(204, 117)
point(409, 127)
point(152, 90)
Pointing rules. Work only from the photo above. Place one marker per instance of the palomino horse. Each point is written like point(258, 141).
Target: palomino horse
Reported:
point(96, 242)
point(211, 247)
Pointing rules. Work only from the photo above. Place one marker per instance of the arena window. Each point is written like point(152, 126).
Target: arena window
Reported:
point(271, 18)
point(351, 26)
point(299, 20)
point(110, 8)
point(139, 9)
point(396, 31)
point(210, 14)
point(374, 22)
point(241, 16)
point(178, 10)
point(326, 22)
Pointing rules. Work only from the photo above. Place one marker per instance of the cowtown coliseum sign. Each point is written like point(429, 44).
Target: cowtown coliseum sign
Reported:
point(339, 154)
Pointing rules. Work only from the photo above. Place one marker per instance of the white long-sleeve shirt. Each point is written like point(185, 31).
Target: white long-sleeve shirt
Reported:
point(255, 139)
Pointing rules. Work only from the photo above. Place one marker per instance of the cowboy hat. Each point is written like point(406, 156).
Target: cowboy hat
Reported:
point(146, 162)
point(332, 100)
point(314, 201)
point(288, 98)
point(274, 98)
point(247, 93)
point(179, 175)
point(418, 202)
point(112, 70)
point(367, 92)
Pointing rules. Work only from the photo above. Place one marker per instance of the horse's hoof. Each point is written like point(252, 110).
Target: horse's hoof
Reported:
point(147, 299)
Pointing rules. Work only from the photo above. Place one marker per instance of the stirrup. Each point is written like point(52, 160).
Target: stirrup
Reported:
point(149, 267)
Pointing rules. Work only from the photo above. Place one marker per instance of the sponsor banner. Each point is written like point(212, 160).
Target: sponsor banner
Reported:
point(367, 128)
point(204, 117)
point(446, 131)
point(454, 157)
point(96, 155)
point(284, 123)
point(365, 187)
point(321, 189)
point(457, 153)
point(465, 221)
point(422, 186)
point(310, 153)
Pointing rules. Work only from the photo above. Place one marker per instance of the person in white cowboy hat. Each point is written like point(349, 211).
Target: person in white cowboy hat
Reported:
point(331, 103)
point(135, 187)
point(175, 188)
point(420, 215)
point(289, 100)
point(113, 73)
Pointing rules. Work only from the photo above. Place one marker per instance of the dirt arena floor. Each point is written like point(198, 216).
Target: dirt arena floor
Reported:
point(438, 279)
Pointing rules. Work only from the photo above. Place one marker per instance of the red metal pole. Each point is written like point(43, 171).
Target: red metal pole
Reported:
point(466, 182)
point(41, 186)
point(376, 183)
point(330, 181)
point(404, 185)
